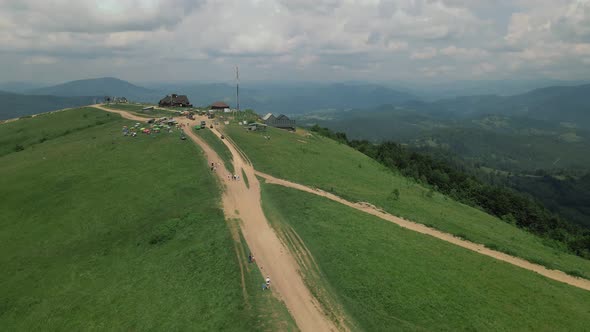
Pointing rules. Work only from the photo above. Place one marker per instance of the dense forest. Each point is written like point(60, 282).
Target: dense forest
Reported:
point(499, 200)
point(565, 191)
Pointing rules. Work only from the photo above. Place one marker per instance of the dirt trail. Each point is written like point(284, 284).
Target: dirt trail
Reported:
point(124, 114)
point(420, 228)
point(272, 257)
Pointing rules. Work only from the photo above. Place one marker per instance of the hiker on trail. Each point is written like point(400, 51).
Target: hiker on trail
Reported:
point(250, 258)
point(267, 282)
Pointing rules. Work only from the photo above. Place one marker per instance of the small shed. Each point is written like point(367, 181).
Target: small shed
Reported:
point(219, 106)
point(254, 126)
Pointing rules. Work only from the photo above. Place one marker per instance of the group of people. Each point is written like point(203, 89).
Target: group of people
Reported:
point(266, 284)
point(233, 177)
point(214, 166)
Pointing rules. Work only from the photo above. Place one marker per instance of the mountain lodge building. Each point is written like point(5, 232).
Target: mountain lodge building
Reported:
point(175, 100)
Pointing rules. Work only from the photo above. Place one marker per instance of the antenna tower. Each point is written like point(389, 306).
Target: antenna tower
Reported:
point(238, 87)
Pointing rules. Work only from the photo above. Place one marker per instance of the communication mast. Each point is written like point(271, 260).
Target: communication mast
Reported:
point(238, 87)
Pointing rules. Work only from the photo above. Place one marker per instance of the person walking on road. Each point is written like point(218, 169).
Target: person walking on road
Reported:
point(267, 282)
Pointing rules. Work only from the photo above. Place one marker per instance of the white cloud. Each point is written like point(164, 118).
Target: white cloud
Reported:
point(483, 68)
point(427, 53)
point(39, 60)
point(366, 39)
point(436, 71)
point(468, 53)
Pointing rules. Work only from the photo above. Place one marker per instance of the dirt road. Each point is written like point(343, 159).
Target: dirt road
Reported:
point(124, 114)
point(420, 228)
point(258, 232)
point(272, 256)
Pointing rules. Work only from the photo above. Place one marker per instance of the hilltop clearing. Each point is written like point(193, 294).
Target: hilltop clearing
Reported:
point(242, 202)
point(389, 278)
point(138, 109)
point(101, 231)
point(336, 168)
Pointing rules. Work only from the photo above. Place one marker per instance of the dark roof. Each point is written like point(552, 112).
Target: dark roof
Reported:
point(219, 104)
point(281, 121)
point(175, 99)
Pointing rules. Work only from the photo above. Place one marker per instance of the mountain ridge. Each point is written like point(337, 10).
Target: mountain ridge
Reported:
point(104, 86)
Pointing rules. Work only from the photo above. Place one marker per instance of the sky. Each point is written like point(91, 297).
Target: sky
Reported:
point(309, 40)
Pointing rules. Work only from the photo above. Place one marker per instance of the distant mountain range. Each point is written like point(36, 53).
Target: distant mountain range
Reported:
point(16, 105)
point(19, 87)
point(446, 90)
point(563, 104)
point(554, 104)
point(107, 86)
point(545, 128)
point(287, 99)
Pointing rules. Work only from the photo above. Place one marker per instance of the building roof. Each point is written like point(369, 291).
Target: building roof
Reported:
point(219, 104)
point(282, 121)
point(175, 99)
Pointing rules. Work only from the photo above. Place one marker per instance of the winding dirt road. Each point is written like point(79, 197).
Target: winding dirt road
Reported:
point(275, 259)
point(272, 256)
point(367, 208)
point(420, 228)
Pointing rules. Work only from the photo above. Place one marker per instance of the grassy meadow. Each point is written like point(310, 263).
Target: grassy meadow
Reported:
point(321, 162)
point(217, 145)
point(28, 132)
point(138, 110)
point(388, 278)
point(104, 232)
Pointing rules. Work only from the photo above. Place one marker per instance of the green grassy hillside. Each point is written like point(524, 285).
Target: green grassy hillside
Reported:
point(104, 232)
point(217, 145)
point(28, 132)
point(334, 167)
point(389, 278)
point(137, 109)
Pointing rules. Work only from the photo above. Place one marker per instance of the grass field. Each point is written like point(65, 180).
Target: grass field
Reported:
point(334, 167)
point(125, 107)
point(28, 132)
point(137, 110)
point(104, 232)
point(245, 177)
point(217, 145)
point(388, 278)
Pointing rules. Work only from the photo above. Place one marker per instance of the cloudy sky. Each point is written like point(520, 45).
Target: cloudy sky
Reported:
point(320, 40)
